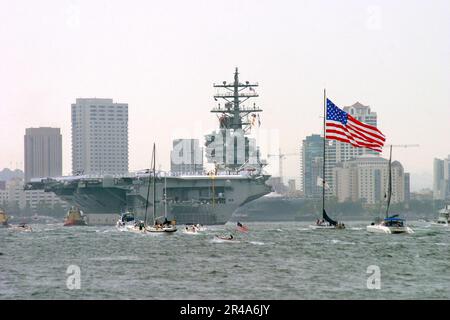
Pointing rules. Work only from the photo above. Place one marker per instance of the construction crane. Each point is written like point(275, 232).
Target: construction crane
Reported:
point(400, 145)
point(281, 157)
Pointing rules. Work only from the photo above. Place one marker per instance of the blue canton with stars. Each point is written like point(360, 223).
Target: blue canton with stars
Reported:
point(336, 114)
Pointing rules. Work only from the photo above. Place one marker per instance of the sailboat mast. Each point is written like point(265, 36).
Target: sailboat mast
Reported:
point(154, 184)
point(389, 182)
point(165, 196)
point(324, 144)
point(148, 194)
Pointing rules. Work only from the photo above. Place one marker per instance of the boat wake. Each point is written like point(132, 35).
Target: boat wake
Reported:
point(335, 241)
point(217, 240)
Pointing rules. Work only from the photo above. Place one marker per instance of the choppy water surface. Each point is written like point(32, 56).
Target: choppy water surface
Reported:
point(272, 261)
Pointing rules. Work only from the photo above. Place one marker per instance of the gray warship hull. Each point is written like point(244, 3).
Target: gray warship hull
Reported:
point(204, 199)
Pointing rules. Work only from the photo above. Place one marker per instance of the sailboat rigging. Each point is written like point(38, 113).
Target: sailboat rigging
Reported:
point(390, 224)
point(156, 227)
point(326, 222)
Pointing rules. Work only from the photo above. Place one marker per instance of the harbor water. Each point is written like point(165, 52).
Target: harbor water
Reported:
point(271, 261)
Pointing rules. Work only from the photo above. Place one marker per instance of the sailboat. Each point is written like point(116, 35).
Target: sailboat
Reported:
point(390, 224)
point(326, 222)
point(167, 226)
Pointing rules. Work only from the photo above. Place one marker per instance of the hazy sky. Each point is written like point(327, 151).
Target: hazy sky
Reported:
point(162, 57)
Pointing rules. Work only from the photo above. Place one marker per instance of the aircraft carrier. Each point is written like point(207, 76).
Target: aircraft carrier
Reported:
point(206, 198)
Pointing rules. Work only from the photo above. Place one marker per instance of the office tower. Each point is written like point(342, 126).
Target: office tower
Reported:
point(99, 137)
point(43, 152)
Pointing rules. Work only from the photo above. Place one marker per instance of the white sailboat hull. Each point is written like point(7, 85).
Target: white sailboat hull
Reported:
point(319, 227)
point(377, 228)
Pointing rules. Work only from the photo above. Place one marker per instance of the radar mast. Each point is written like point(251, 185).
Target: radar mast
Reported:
point(234, 115)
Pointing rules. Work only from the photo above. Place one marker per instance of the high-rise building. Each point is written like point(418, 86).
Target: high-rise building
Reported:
point(366, 178)
point(99, 137)
point(43, 152)
point(407, 187)
point(312, 165)
point(441, 179)
point(291, 185)
point(186, 157)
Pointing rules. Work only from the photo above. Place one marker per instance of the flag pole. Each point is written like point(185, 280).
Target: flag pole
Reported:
point(324, 143)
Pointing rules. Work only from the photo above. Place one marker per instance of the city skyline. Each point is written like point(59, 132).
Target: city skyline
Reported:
point(389, 49)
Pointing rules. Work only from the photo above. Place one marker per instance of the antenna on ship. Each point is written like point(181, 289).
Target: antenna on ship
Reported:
point(236, 120)
point(235, 115)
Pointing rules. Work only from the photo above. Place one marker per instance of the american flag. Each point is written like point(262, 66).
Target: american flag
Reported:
point(241, 227)
point(343, 127)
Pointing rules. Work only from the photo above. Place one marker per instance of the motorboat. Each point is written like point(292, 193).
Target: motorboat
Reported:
point(444, 216)
point(127, 220)
point(191, 229)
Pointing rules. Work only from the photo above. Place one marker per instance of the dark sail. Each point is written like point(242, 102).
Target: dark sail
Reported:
point(389, 194)
point(328, 219)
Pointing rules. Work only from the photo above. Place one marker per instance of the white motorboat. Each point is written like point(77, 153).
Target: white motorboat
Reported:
point(191, 229)
point(444, 217)
point(126, 221)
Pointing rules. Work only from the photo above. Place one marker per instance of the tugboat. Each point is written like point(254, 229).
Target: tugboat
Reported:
point(75, 217)
point(3, 219)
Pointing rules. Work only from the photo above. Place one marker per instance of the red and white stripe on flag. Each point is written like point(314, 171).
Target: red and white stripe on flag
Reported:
point(343, 127)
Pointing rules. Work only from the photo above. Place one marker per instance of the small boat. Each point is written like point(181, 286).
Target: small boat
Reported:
point(74, 217)
point(191, 229)
point(126, 220)
point(229, 238)
point(444, 217)
point(3, 219)
point(22, 227)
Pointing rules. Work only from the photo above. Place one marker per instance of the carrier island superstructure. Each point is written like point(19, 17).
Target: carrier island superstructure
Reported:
point(211, 197)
